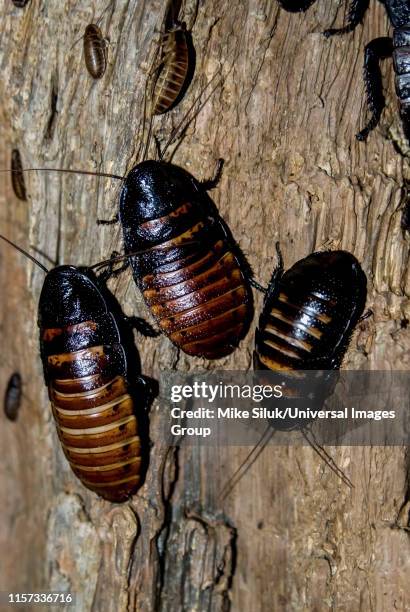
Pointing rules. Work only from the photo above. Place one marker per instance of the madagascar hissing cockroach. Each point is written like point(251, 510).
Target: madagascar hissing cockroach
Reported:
point(191, 273)
point(12, 396)
point(378, 49)
point(95, 51)
point(17, 177)
point(90, 368)
point(308, 316)
point(310, 312)
point(176, 65)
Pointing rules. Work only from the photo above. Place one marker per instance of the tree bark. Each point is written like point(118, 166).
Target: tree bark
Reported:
point(291, 536)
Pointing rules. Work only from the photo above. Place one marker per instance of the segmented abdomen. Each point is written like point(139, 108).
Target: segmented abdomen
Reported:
point(17, 176)
point(93, 410)
point(401, 56)
point(95, 51)
point(295, 332)
point(200, 300)
point(172, 72)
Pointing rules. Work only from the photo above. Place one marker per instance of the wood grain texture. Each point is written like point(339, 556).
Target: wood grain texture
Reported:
point(291, 536)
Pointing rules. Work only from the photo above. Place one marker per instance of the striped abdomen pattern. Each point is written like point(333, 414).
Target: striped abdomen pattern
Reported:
point(294, 330)
point(17, 176)
point(310, 313)
point(95, 51)
point(172, 73)
point(85, 370)
point(197, 294)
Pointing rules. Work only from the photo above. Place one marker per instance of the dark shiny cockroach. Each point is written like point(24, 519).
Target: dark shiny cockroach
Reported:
point(89, 363)
point(378, 49)
point(192, 275)
point(20, 3)
point(176, 66)
point(405, 204)
point(95, 51)
point(310, 312)
point(17, 176)
point(308, 316)
point(12, 396)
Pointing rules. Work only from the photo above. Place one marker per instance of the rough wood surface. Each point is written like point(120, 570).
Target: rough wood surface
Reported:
point(291, 537)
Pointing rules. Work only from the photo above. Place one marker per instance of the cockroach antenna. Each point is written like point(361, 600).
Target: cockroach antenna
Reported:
point(67, 171)
point(25, 253)
point(247, 463)
point(328, 460)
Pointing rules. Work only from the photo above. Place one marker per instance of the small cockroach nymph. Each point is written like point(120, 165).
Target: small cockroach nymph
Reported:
point(95, 47)
point(377, 50)
point(95, 51)
point(17, 176)
point(174, 70)
point(308, 317)
point(13, 396)
point(91, 369)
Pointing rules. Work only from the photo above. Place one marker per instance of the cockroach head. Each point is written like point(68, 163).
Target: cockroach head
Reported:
point(69, 295)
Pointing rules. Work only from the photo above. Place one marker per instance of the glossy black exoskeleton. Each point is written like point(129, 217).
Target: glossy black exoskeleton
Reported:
point(192, 274)
point(296, 6)
point(91, 368)
point(12, 396)
point(309, 313)
point(397, 46)
point(308, 316)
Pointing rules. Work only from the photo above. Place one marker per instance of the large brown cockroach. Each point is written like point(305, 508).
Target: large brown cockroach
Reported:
point(308, 316)
point(377, 50)
point(191, 273)
point(90, 365)
point(17, 176)
point(12, 396)
point(176, 66)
